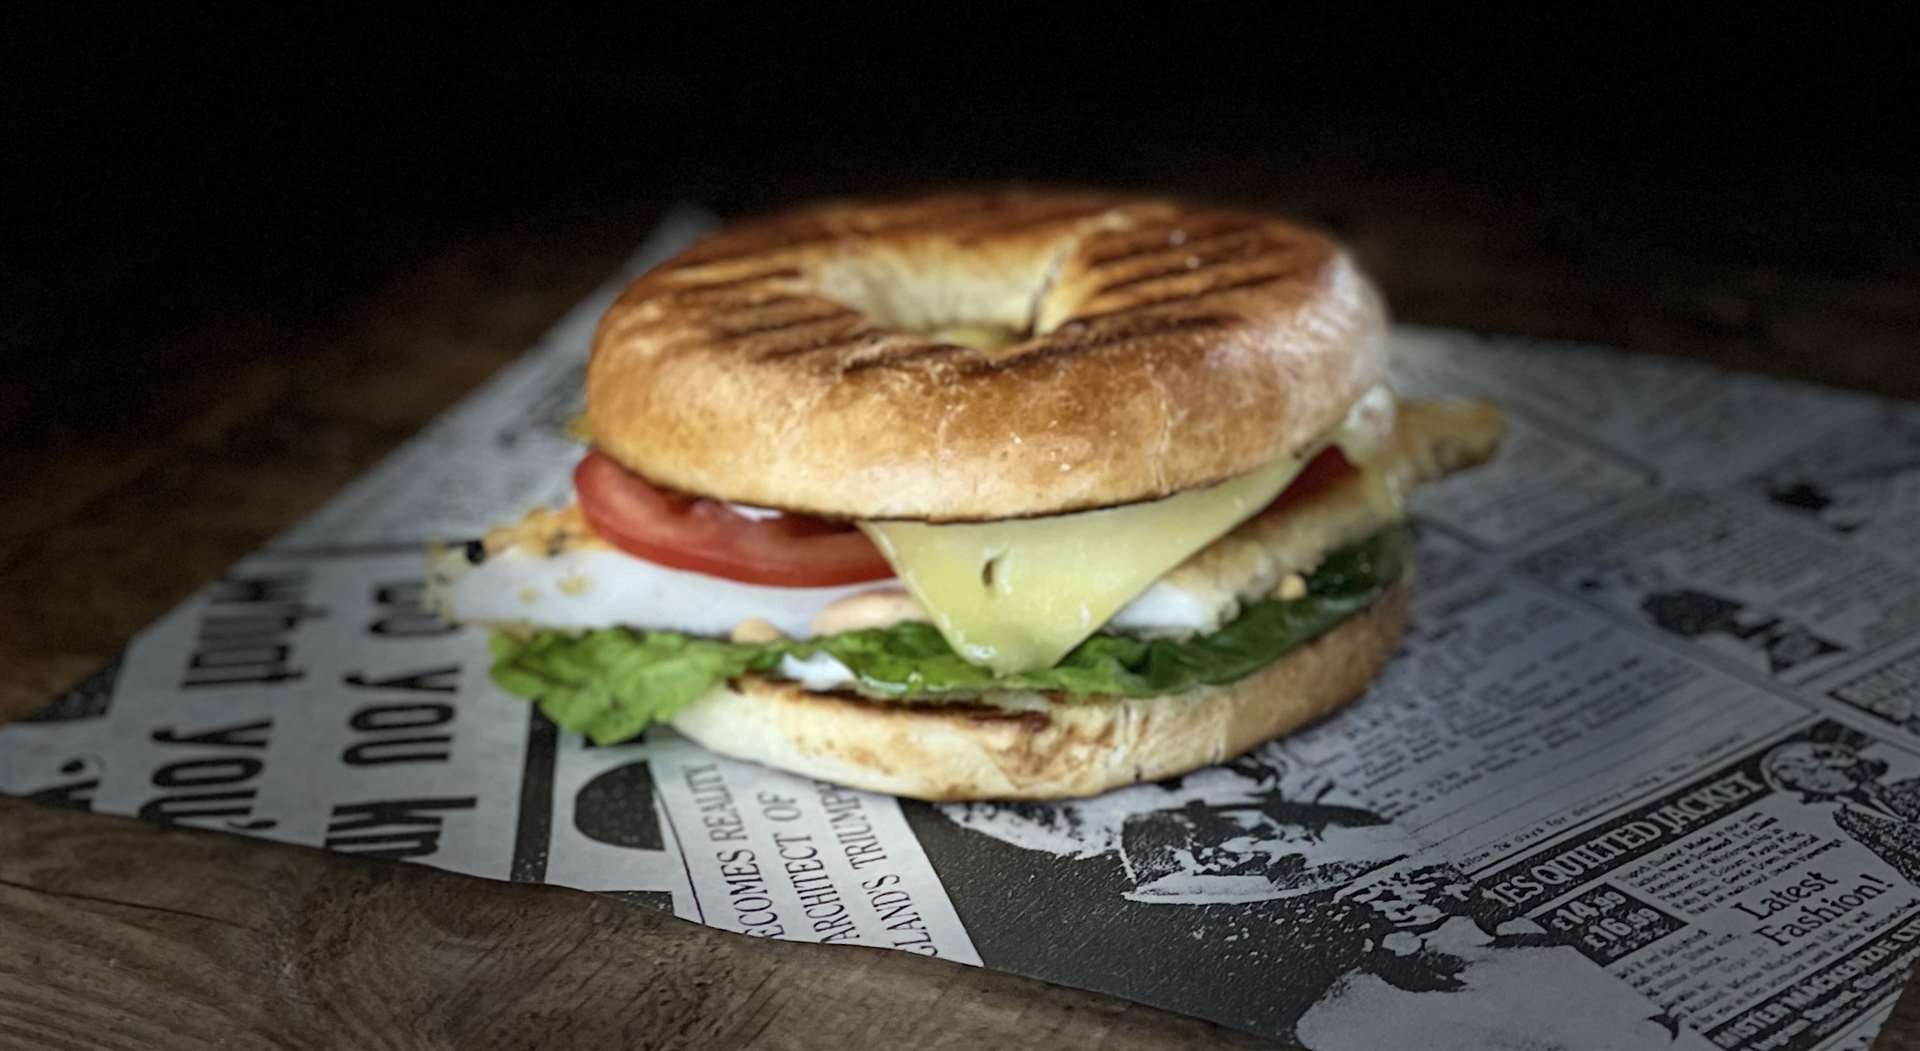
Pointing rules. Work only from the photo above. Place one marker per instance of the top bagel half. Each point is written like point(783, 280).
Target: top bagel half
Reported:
point(982, 356)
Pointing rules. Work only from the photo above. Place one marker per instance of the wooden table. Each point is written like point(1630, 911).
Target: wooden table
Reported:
point(193, 427)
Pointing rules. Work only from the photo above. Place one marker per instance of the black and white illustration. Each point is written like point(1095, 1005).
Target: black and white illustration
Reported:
point(1890, 692)
point(1756, 590)
point(1860, 481)
point(1750, 632)
point(1257, 828)
point(1791, 860)
point(1195, 893)
point(1831, 767)
point(605, 828)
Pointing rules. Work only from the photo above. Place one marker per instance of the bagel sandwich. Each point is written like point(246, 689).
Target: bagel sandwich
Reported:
point(990, 495)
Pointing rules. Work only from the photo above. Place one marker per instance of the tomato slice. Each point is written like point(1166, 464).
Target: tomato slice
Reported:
point(707, 536)
point(784, 550)
point(1330, 465)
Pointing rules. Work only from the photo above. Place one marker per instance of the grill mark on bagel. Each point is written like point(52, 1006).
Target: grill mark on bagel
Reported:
point(1185, 297)
point(828, 341)
point(973, 711)
point(754, 305)
point(1198, 263)
point(747, 247)
point(904, 356)
point(1060, 348)
point(701, 289)
point(745, 332)
point(777, 241)
point(618, 325)
point(1159, 244)
point(930, 214)
point(1028, 220)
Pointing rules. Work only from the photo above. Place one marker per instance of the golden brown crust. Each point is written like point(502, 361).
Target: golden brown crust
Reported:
point(778, 363)
point(1047, 751)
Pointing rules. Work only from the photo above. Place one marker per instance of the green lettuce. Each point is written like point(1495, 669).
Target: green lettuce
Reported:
point(611, 683)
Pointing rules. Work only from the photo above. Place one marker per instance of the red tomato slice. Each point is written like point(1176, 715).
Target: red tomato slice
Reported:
point(1326, 468)
point(707, 536)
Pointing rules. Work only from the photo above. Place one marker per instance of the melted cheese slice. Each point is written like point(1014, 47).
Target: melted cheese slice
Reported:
point(1018, 594)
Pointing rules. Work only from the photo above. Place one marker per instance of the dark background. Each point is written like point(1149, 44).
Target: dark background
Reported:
point(167, 161)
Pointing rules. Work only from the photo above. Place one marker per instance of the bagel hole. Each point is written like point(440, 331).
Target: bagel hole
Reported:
point(943, 298)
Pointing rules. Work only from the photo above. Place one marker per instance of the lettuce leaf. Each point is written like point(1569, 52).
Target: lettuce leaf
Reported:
point(612, 683)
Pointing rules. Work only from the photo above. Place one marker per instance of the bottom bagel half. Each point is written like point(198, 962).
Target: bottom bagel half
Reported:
point(1031, 746)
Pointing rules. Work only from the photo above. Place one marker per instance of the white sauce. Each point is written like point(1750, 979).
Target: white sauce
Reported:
point(1163, 609)
point(600, 588)
point(757, 514)
point(817, 673)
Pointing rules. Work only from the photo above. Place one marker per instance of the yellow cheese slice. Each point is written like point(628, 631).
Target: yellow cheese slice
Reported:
point(1018, 594)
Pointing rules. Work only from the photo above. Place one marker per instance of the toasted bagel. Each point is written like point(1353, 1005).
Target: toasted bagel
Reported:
point(1029, 747)
point(815, 361)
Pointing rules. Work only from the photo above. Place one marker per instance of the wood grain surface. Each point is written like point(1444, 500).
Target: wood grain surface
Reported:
point(136, 475)
point(125, 935)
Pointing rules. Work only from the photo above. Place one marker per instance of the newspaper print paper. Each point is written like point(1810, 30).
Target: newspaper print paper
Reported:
point(1644, 774)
